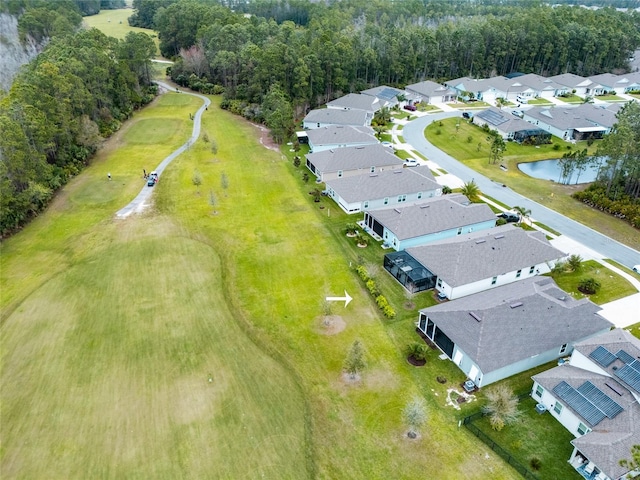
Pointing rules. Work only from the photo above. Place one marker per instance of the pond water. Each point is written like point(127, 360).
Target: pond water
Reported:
point(550, 170)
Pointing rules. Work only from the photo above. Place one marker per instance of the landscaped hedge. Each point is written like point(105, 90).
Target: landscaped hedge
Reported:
point(381, 301)
point(623, 207)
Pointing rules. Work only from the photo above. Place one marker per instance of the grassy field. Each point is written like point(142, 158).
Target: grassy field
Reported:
point(113, 23)
point(191, 342)
point(469, 146)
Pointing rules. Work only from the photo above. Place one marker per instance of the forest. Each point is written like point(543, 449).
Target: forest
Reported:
point(62, 104)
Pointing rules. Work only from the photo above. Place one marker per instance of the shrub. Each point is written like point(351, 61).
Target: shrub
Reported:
point(589, 285)
point(362, 271)
point(373, 289)
point(389, 312)
point(417, 350)
point(535, 464)
point(501, 407)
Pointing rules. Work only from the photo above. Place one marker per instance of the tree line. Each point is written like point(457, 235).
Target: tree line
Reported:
point(351, 45)
point(58, 110)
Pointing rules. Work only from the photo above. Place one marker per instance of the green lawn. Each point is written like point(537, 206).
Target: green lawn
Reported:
point(111, 329)
point(475, 154)
point(613, 287)
point(535, 436)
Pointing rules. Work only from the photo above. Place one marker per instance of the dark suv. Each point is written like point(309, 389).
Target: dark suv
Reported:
point(509, 216)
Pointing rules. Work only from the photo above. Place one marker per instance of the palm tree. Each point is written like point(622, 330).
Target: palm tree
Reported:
point(523, 213)
point(471, 191)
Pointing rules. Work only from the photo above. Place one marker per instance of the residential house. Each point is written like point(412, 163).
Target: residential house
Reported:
point(479, 89)
point(496, 334)
point(387, 96)
point(339, 136)
point(477, 261)
point(580, 86)
point(611, 83)
point(595, 396)
point(538, 87)
point(574, 123)
point(511, 127)
point(350, 161)
point(431, 220)
point(431, 92)
point(324, 117)
point(356, 101)
point(383, 189)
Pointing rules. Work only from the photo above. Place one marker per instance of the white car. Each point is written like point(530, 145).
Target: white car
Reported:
point(387, 144)
point(410, 162)
point(636, 268)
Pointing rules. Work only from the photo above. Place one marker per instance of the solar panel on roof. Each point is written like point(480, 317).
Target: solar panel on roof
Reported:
point(630, 374)
point(388, 93)
point(583, 407)
point(600, 399)
point(603, 356)
point(624, 356)
point(493, 118)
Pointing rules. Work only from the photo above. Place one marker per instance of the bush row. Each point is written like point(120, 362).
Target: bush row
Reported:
point(624, 207)
point(381, 301)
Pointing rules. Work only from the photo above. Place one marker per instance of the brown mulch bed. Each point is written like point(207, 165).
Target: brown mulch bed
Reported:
point(415, 362)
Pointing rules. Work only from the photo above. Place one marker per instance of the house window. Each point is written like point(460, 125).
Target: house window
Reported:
point(582, 429)
point(494, 280)
point(339, 173)
point(459, 230)
point(518, 273)
point(563, 349)
point(402, 198)
point(373, 169)
point(539, 391)
point(423, 322)
point(557, 408)
point(386, 200)
point(419, 194)
point(439, 283)
point(366, 204)
point(318, 125)
point(532, 269)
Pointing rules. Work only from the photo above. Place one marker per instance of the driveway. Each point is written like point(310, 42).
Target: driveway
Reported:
point(605, 247)
point(143, 199)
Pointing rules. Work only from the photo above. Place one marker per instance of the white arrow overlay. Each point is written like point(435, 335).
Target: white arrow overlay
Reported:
point(346, 299)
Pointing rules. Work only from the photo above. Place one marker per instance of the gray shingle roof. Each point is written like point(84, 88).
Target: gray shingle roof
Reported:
point(517, 321)
point(475, 256)
point(384, 92)
point(354, 158)
point(341, 134)
point(536, 82)
point(335, 116)
point(356, 101)
point(434, 215)
point(613, 341)
point(504, 121)
point(571, 80)
point(430, 89)
point(585, 115)
point(388, 183)
point(611, 439)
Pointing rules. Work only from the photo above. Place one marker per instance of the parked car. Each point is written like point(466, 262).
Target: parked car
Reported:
point(154, 175)
point(411, 108)
point(466, 115)
point(517, 113)
point(636, 268)
point(410, 162)
point(387, 144)
point(509, 216)
point(151, 182)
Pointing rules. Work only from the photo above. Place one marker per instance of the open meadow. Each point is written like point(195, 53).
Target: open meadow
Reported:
point(191, 341)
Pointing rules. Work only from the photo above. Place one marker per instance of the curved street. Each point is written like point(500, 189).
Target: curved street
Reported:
point(600, 245)
point(141, 202)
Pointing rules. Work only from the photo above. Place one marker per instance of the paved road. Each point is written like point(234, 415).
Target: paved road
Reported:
point(141, 202)
point(413, 133)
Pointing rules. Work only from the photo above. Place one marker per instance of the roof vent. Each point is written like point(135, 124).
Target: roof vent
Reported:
point(475, 316)
point(396, 210)
point(359, 148)
point(397, 171)
point(562, 298)
point(497, 237)
point(373, 175)
point(331, 150)
point(425, 206)
point(516, 305)
point(482, 240)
